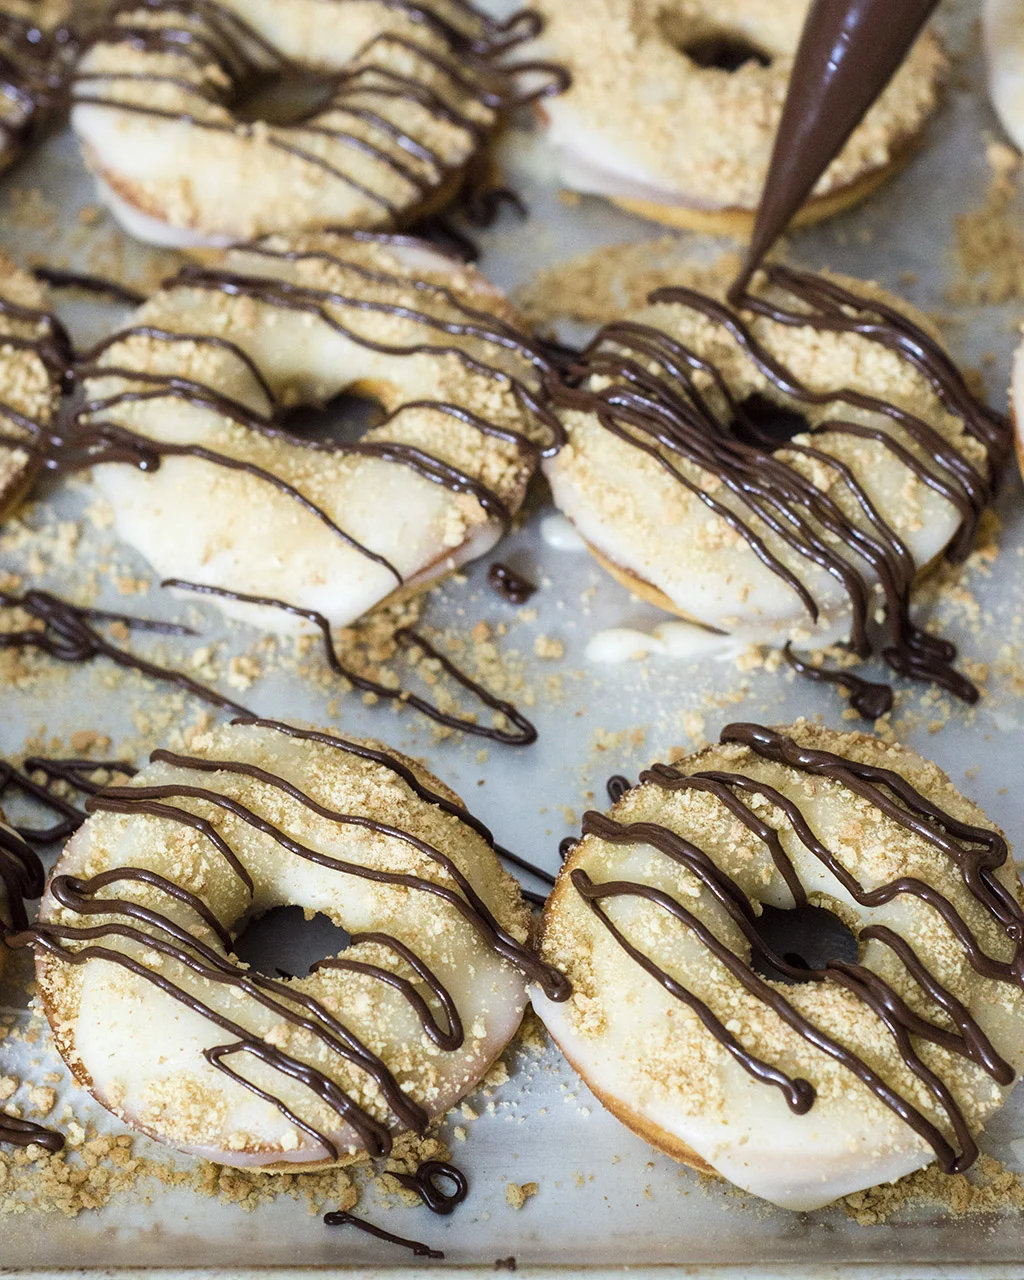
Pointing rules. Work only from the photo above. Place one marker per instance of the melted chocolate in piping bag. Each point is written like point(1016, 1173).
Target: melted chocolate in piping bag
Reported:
point(848, 53)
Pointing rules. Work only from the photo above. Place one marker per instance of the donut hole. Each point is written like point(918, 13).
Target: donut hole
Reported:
point(765, 424)
point(282, 943)
point(718, 49)
point(806, 938)
point(342, 420)
point(285, 98)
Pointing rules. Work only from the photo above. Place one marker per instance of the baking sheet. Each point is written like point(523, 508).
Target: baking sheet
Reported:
point(605, 1199)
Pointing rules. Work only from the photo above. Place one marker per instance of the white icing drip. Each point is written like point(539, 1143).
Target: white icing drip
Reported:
point(671, 639)
point(557, 532)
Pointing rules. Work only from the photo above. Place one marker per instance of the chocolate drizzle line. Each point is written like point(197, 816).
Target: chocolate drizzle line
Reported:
point(26, 1133)
point(21, 872)
point(19, 432)
point(508, 584)
point(67, 635)
point(425, 1183)
point(869, 700)
point(525, 733)
point(974, 851)
point(156, 932)
point(77, 772)
point(468, 60)
point(617, 786)
point(21, 877)
point(341, 1218)
point(653, 403)
point(58, 278)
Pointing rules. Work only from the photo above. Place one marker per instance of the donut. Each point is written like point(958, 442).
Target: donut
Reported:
point(796, 962)
point(33, 360)
point(674, 106)
point(1003, 37)
point(411, 97)
point(35, 50)
point(190, 404)
point(158, 1019)
point(779, 468)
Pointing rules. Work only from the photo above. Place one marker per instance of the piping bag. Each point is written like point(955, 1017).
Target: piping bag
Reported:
point(848, 53)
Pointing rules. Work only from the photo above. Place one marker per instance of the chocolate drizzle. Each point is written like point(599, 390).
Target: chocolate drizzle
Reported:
point(425, 1183)
point(26, 1133)
point(975, 853)
point(150, 931)
point(869, 700)
point(76, 772)
point(58, 278)
point(22, 433)
point(653, 402)
point(508, 584)
point(21, 877)
point(463, 53)
point(524, 732)
point(341, 1218)
point(21, 872)
point(617, 786)
point(68, 635)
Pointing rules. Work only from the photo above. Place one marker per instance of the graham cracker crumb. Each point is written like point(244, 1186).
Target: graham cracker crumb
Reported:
point(516, 1195)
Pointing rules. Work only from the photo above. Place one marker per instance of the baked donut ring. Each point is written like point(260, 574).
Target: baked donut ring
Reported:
point(674, 106)
point(216, 489)
point(155, 1016)
point(413, 97)
point(33, 359)
point(1003, 34)
point(35, 55)
point(800, 1077)
point(779, 468)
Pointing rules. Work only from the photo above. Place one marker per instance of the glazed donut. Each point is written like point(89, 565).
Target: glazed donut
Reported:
point(1003, 33)
point(779, 468)
point(191, 395)
point(798, 1075)
point(674, 106)
point(414, 96)
point(35, 53)
point(157, 1018)
point(33, 359)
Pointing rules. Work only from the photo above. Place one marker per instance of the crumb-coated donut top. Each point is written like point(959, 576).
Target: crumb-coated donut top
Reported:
point(764, 464)
point(258, 814)
point(33, 356)
point(414, 96)
point(209, 367)
point(923, 1031)
point(638, 105)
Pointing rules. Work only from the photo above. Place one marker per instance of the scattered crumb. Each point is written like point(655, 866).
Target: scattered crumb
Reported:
point(516, 1195)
